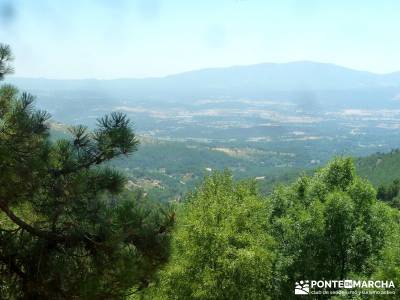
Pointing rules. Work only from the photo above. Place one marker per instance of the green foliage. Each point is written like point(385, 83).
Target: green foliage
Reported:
point(230, 243)
point(388, 263)
point(65, 231)
point(5, 58)
point(328, 226)
point(221, 247)
point(390, 193)
point(180, 166)
point(339, 175)
point(380, 168)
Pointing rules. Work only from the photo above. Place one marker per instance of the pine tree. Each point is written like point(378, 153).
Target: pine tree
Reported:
point(64, 231)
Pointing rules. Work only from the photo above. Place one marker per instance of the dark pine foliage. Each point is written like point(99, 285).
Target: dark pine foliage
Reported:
point(65, 233)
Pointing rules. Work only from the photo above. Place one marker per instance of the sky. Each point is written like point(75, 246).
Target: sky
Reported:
point(106, 39)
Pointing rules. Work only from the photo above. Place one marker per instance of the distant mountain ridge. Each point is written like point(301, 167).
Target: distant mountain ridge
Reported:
point(327, 84)
point(278, 76)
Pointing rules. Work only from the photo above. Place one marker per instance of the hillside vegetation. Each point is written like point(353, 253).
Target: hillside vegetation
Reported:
point(179, 166)
point(232, 243)
point(380, 168)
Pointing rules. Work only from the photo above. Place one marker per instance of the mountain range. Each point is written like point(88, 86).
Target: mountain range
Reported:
point(327, 84)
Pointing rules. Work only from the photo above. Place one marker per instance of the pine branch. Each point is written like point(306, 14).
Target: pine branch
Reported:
point(37, 232)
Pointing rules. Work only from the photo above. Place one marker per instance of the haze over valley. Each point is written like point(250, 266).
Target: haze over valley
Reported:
point(260, 121)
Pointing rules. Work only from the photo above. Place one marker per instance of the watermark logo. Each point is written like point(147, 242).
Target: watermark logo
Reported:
point(344, 287)
point(302, 287)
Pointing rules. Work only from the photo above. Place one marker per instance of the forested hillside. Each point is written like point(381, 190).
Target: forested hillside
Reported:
point(380, 168)
point(168, 169)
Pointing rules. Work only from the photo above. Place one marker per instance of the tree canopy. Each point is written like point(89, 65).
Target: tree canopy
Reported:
point(222, 248)
point(232, 243)
point(64, 231)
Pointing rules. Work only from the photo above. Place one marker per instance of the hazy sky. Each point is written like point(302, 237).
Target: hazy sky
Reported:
point(140, 38)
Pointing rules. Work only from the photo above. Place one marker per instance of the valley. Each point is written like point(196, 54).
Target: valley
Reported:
point(254, 139)
point(267, 121)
